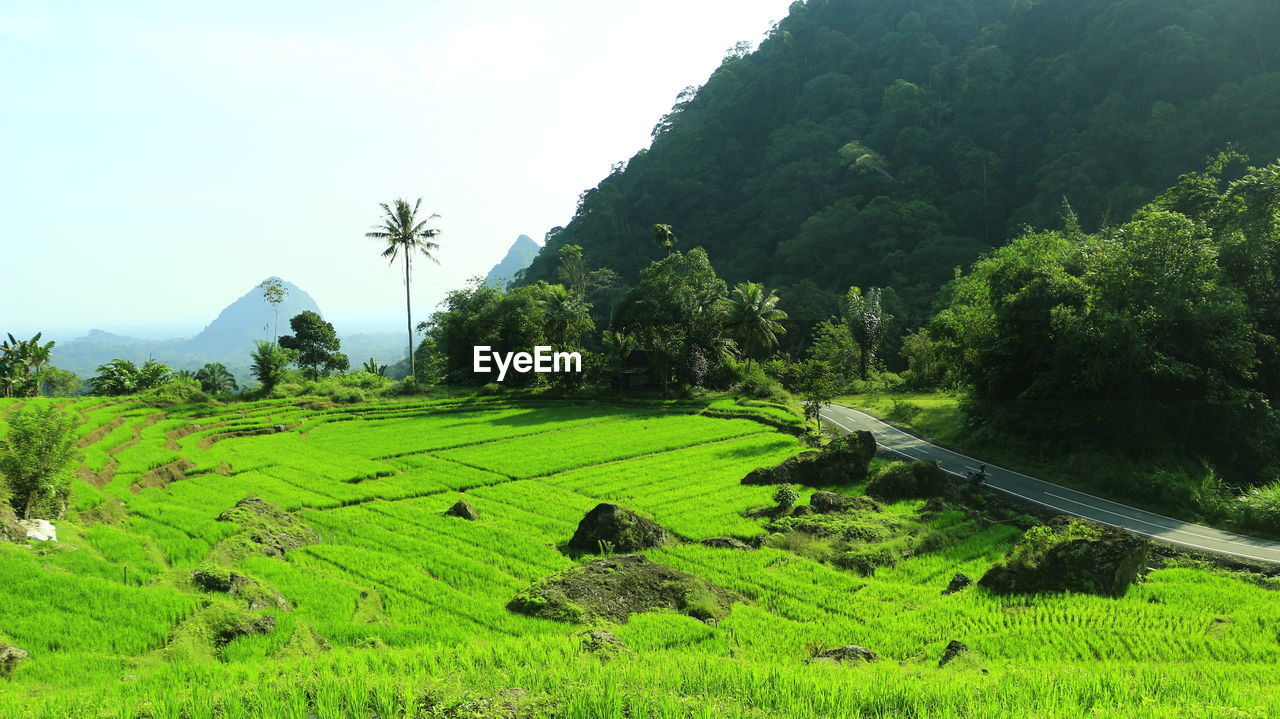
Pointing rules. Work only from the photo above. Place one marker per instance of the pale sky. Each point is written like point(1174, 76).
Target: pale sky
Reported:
point(158, 159)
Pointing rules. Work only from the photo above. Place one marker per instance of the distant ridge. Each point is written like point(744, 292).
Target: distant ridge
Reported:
point(518, 257)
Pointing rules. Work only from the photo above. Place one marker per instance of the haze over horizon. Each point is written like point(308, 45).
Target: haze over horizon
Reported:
point(162, 160)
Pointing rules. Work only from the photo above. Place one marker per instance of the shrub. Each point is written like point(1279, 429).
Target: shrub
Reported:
point(175, 392)
point(37, 457)
point(786, 497)
point(1259, 509)
point(903, 412)
point(347, 395)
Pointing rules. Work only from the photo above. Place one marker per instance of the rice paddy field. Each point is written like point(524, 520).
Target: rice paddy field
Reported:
point(399, 611)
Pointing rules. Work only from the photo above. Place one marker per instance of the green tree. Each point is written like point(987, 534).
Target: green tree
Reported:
point(568, 317)
point(56, 382)
point(37, 457)
point(786, 497)
point(817, 387)
point(573, 270)
point(270, 364)
point(754, 318)
point(315, 345)
point(122, 377)
point(867, 323)
point(677, 313)
point(833, 345)
point(274, 292)
point(406, 235)
point(216, 379)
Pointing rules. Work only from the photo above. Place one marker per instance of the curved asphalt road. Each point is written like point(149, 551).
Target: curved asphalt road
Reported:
point(1057, 498)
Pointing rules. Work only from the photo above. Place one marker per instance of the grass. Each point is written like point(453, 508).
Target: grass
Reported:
point(399, 611)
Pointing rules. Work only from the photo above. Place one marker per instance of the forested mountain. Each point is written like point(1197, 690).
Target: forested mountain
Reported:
point(887, 142)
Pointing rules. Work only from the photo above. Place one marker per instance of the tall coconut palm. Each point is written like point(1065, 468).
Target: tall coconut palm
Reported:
point(567, 315)
point(405, 233)
point(664, 237)
point(755, 318)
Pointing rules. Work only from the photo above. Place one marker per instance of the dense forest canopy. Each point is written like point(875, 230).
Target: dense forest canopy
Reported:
point(887, 142)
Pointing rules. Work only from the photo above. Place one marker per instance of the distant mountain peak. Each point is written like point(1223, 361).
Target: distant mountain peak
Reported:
point(251, 318)
point(521, 254)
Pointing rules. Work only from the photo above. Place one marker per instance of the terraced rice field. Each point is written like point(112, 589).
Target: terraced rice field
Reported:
point(400, 611)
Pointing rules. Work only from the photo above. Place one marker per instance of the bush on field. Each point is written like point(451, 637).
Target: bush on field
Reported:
point(752, 380)
point(1259, 509)
point(343, 388)
point(175, 392)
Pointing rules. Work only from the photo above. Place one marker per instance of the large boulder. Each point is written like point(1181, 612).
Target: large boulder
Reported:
point(10, 658)
point(843, 461)
point(614, 588)
point(914, 480)
point(609, 527)
point(1070, 556)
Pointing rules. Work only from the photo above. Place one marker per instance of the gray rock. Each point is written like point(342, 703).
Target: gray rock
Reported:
point(612, 527)
point(953, 650)
point(848, 653)
point(463, 510)
point(916, 480)
point(958, 582)
point(843, 461)
point(830, 502)
point(10, 658)
point(724, 543)
point(1080, 556)
point(598, 641)
point(40, 530)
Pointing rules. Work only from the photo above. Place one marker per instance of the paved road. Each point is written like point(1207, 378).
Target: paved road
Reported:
point(1061, 499)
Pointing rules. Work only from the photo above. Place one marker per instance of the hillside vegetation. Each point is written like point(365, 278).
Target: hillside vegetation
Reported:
point(887, 142)
point(344, 589)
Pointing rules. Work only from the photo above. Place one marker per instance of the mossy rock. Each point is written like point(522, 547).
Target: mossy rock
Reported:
point(267, 529)
point(256, 595)
point(842, 461)
point(724, 543)
point(609, 527)
point(227, 623)
point(829, 502)
point(10, 658)
point(10, 530)
point(847, 653)
point(462, 509)
point(1070, 556)
point(910, 480)
point(614, 588)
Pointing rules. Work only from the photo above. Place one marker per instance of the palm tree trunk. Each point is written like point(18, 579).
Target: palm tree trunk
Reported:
point(408, 315)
